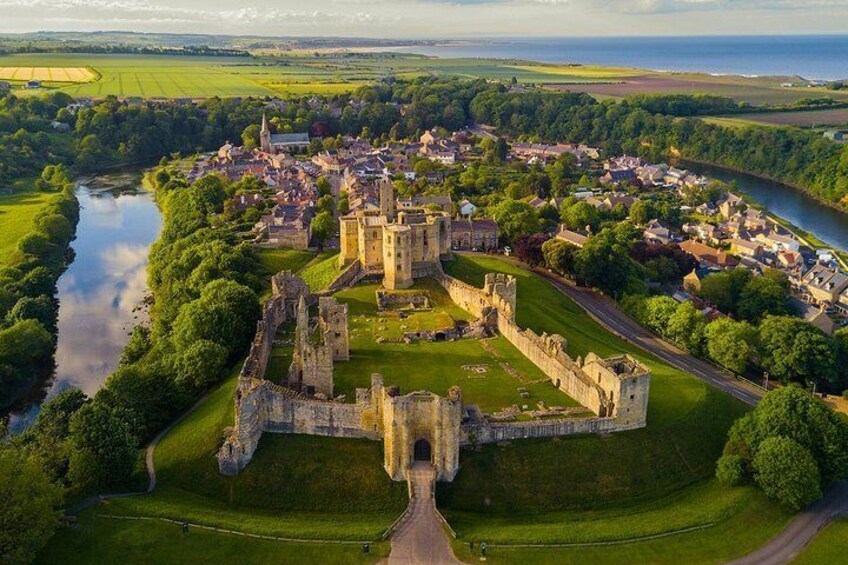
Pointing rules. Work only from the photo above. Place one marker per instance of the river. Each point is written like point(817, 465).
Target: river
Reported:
point(101, 291)
point(828, 224)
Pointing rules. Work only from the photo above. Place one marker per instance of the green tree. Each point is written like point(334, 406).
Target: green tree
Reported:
point(763, 295)
point(794, 350)
point(201, 365)
point(686, 326)
point(731, 344)
point(27, 516)
point(604, 262)
point(724, 289)
point(323, 226)
point(324, 187)
point(641, 212)
point(103, 451)
point(658, 312)
point(560, 256)
point(250, 137)
point(787, 472)
point(579, 216)
point(515, 218)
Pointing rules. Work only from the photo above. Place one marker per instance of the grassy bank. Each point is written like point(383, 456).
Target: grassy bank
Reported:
point(97, 539)
point(828, 546)
point(16, 216)
point(600, 488)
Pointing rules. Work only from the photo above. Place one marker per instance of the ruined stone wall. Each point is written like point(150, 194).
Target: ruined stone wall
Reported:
point(491, 432)
point(547, 353)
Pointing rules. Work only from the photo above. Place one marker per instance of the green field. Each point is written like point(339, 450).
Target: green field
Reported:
point(436, 366)
point(98, 539)
point(16, 216)
point(625, 485)
point(302, 73)
point(828, 546)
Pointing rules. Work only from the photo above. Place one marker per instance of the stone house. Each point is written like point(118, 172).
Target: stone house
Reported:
point(474, 235)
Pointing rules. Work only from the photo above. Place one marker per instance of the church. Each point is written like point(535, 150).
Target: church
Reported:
point(281, 142)
point(401, 245)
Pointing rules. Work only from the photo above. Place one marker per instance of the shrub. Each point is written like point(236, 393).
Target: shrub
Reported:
point(787, 473)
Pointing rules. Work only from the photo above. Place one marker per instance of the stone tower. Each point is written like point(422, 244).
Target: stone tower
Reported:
point(387, 200)
point(265, 136)
point(397, 257)
point(332, 317)
point(311, 369)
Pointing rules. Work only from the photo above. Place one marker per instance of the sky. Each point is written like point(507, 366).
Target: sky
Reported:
point(408, 19)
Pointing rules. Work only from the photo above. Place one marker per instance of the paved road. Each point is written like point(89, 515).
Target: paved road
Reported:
point(420, 538)
point(609, 315)
point(803, 528)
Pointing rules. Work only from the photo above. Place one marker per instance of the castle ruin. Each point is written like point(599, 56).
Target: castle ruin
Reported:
point(420, 425)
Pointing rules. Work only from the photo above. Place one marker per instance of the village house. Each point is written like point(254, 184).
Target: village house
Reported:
point(616, 177)
point(287, 226)
point(777, 242)
point(823, 284)
point(242, 202)
point(746, 248)
point(466, 208)
point(474, 235)
point(708, 256)
point(703, 231)
point(572, 237)
point(730, 205)
point(656, 232)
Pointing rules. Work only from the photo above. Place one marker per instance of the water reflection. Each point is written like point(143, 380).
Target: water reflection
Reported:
point(101, 290)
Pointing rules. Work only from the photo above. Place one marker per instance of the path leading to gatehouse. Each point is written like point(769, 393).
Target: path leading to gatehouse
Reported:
point(420, 537)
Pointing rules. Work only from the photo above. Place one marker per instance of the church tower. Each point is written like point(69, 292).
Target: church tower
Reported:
point(265, 136)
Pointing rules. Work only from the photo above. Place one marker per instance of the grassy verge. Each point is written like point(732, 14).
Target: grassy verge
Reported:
point(754, 522)
point(289, 473)
point(828, 546)
point(275, 260)
point(16, 215)
point(102, 540)
point(321, 271)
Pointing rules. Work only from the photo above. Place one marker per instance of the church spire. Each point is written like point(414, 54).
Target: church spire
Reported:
point(265, 135)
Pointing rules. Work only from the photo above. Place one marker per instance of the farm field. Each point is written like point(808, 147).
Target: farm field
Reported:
point(807, 119)
point(16, 216)
point(47, 74)
point(755, 91)
point(298, 74)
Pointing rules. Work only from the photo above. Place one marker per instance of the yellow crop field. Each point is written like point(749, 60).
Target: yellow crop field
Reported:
point(48, 74)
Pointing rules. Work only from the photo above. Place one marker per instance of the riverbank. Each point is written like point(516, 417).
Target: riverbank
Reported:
point(797, 187)
point(99, 294)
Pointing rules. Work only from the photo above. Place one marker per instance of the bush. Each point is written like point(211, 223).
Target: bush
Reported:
point(787, 473)
point(730, 470)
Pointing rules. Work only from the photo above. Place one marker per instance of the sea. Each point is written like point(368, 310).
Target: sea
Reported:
point(813, 57)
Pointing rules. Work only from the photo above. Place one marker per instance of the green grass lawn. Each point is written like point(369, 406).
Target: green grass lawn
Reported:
point(659, 476)
point(436, 366)
point(16, 215)
point(828, 546)
point(98, 540)
point(321, 271)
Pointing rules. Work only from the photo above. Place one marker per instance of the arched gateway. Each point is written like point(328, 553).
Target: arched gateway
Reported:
point(422, 451)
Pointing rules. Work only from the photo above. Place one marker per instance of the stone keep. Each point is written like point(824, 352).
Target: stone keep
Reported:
point(400, 245)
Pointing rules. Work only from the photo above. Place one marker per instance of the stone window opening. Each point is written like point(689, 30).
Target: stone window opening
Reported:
point(421, 451)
